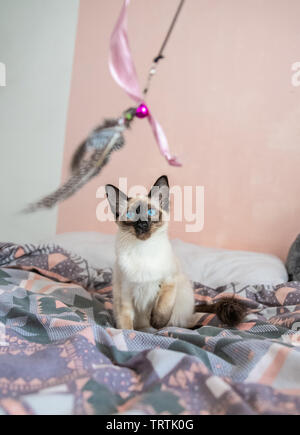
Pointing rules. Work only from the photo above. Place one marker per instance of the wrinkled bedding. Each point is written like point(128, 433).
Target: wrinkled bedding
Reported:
point(60, 352)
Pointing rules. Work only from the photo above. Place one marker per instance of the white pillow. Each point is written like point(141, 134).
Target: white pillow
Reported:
point(209, 266)
point(97, 248)
point(215, 267)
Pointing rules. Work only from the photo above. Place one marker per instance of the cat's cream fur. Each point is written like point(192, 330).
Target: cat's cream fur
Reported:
point(149, 287)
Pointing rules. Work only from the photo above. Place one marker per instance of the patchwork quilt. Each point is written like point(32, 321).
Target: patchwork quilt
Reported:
point(60, 352)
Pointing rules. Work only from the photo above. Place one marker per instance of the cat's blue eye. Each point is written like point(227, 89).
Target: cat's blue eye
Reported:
point(151, 212)
point(130, 215)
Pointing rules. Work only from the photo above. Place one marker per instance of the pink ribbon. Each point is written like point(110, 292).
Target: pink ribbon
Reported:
point(123, 71)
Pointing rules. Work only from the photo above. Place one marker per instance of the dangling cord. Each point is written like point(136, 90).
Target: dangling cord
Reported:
point(160, 53)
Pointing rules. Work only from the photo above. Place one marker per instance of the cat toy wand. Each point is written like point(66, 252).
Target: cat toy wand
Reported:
point(109, 137)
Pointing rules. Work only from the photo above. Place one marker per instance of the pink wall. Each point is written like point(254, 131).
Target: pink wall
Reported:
point(225, 99)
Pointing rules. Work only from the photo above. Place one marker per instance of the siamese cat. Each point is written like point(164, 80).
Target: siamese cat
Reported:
point(149, 288)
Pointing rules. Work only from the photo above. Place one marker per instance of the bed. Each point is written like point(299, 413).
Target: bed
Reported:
point(60, 352)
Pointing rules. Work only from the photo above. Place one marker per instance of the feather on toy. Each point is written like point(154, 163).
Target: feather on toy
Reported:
point(105, 139)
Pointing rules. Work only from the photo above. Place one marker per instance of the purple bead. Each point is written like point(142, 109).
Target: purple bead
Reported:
point(142, 111)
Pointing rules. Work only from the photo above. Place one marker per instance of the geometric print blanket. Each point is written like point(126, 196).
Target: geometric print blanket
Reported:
point(60, 351)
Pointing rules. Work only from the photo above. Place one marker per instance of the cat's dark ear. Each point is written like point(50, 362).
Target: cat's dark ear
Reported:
point(117, 200)
point(160, 191)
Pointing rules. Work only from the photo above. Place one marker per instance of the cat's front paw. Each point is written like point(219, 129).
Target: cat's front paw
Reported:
point(158, 320)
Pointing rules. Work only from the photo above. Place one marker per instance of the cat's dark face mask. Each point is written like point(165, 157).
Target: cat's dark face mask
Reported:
point(140, 216)
point(143, 217)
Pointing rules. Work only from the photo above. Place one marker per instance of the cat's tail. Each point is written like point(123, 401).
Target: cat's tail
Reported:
point(229, 310)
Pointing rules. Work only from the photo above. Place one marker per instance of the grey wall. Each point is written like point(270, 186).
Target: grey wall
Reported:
point(37, 40)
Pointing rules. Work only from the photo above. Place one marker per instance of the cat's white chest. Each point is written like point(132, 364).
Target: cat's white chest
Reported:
point(146, 261)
